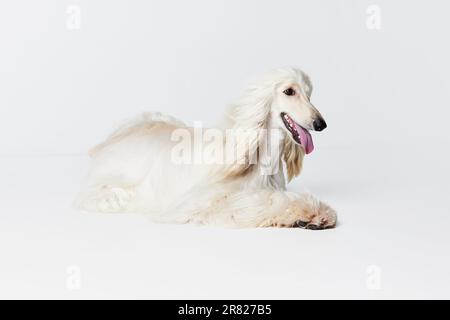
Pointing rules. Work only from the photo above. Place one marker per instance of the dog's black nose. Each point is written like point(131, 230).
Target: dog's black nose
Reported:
point(319, 124)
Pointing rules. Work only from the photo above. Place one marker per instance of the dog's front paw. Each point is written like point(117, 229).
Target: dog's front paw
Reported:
point(304, 212)
point(312, 214)
point(325, 218)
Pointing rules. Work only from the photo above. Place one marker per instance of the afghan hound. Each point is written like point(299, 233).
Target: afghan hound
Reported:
point(234, 175)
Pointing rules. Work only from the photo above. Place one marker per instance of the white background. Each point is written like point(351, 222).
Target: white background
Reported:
point(382, 162)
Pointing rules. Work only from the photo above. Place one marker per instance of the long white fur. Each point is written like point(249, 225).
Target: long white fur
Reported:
point(133, 171)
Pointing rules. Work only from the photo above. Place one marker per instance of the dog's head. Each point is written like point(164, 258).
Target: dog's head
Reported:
point(291, 108)
point(279, 100)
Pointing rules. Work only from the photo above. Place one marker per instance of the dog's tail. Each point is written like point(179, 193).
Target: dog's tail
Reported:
point(146, 119)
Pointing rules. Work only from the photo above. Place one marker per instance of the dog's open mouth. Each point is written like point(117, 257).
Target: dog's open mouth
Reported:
point(299, 134)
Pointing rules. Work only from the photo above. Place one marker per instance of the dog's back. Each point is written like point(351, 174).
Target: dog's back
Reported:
point(135, 168)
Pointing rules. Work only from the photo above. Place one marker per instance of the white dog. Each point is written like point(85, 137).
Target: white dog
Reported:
point(157, 165)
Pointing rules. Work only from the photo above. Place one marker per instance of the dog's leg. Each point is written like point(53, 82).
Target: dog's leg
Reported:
point(105, 199)
point(290, 210)
point(304, 211)
point(255, 208)
point(266, 208)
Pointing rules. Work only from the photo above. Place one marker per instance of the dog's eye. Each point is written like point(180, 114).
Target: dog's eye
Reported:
point(289, 92)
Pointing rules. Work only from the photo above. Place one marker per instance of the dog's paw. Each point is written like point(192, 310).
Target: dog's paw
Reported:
point(314, 216)
point(305, 212)
point(114, 200)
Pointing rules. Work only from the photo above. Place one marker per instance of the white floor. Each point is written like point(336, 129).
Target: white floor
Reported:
point(392, 240)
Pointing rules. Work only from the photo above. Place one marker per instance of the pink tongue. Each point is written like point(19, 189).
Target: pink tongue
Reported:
point(305, 139)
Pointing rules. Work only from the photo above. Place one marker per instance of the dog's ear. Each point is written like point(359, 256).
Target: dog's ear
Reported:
point(308, 85)
point(249, 119)
point(293, 156)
